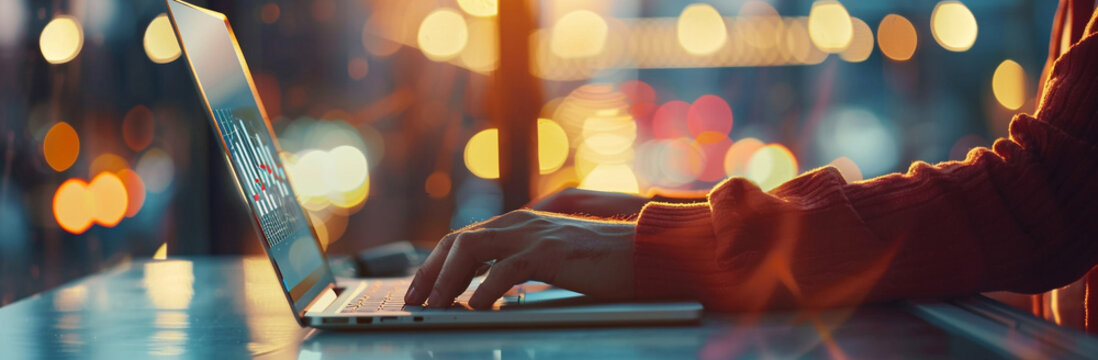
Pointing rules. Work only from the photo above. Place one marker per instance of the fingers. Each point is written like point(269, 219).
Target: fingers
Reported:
point(428, 273)
point(469, 250)
point(504, 274)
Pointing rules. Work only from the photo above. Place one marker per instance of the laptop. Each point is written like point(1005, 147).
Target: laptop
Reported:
point(250, 147)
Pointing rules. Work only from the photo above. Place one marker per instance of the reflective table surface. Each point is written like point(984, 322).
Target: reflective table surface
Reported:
point(232, 307)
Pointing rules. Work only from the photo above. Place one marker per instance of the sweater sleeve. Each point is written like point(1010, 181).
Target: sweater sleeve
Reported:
point(1018, 217)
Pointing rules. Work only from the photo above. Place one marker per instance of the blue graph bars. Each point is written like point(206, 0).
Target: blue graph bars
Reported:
point(261, 177)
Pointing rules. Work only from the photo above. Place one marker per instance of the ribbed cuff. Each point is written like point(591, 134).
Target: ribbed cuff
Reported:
point(674, 246)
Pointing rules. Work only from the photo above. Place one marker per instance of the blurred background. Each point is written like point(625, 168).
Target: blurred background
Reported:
point(392, 114)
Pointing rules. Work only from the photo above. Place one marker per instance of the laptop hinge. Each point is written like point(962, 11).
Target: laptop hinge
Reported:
point(321, 302)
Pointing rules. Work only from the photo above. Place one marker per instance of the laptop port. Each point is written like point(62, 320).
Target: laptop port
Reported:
point(417, 318)
point(365, 320)
point(338, 320)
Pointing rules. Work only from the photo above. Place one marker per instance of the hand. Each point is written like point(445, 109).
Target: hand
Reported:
point(592, 203)
point(588, 256)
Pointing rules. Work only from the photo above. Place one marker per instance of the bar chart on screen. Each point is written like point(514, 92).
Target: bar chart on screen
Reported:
point(261, 177)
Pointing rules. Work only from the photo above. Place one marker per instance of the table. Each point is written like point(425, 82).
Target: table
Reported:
point(231, 307)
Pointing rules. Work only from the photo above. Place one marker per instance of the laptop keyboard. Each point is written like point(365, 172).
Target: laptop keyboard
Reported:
point(388, 295)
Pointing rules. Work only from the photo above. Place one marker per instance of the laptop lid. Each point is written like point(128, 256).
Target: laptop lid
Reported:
point(241, 124)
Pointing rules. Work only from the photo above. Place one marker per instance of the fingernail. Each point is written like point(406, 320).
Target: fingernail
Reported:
point(411, 294)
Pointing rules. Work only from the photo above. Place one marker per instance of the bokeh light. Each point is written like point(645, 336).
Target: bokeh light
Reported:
point(73, 206)
point(701, 29)
point(13, 18)
point(709, 113)
point(438, 185)
point(157, 169)
point(953, 26)
point(351, 170)
point(771, 165)
point(739, 154)
point(896, 37)
point(135, 191)
point(61, 39)
point(552, 146)
point(579, 34)
point(860, 135)
point(482, 8)
point(160, 43)
point(669, 121)
point(339, 177)
point(442, 34)
point(138, 128)
point(481, 54)
point(357, 68)
point(482, 151)
point(107, 162)
point(482, 154)
point(611, 178)
point(861, 45)
point(609, 133)
point(269, 13)
point(829, 26)
point(847, 168)
point(61, 146)
point(109, 197)
point(1009, 84)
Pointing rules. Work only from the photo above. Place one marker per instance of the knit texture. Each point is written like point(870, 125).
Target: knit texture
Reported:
point(1018, 216)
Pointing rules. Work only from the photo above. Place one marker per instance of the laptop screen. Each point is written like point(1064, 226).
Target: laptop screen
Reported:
point(240, 123)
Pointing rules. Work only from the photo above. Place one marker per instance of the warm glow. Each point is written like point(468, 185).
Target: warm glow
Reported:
point(829, 26)
point(609, 134)
point(709, 113)
point(438, 185)
point(482, 150)
point(482, 154)
point(270, 13)
point(799, 44)
point(107, 162)
point(160, 43)
point(771, 166)
point(862, 44)
point(442, 34)
point(896, 37)
point(611, 177)
point(169, 284)
point(138, 128)
point(161, 252)
point(482, 52)
point(847, 168)
point(552, 146)
point(61, 39)
point(1009, 84)
point(701, 29)
point(482, 8)
point(357, 68)
point(339, 177)
point(578, 34)
point(108, 195)
point(135, 191)
point(739, 154)
point(351, 170)
point(953, 26)
point(73, 206)
point(61, 146)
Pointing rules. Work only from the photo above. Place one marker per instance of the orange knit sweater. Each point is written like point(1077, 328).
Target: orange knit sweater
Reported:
point(1021, 216)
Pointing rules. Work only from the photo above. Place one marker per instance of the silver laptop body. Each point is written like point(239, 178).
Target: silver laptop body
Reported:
point(238, 118)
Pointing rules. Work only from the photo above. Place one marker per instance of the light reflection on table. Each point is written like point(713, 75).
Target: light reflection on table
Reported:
point(229, 307)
